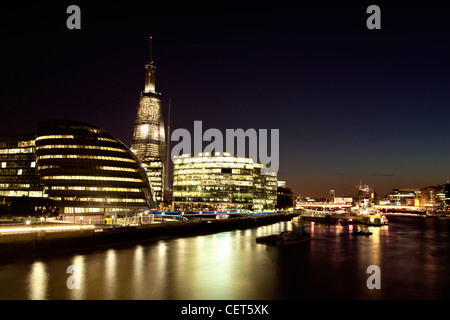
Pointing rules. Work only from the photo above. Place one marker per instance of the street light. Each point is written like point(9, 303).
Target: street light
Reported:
point(42, 219)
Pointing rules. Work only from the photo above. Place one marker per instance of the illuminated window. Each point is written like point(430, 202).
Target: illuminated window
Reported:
point(68, 146)
point(96, 178)
point(75, 156)
point(55, 137)
point(118, 169)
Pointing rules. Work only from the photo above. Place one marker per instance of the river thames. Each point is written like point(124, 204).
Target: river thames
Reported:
point(413, 254)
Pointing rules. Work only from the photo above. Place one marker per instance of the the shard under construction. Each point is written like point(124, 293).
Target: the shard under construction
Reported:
point(149, 140)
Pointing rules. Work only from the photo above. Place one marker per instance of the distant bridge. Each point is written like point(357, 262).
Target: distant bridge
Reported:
point(409, 208)
point(322, 205)
point(333, 205)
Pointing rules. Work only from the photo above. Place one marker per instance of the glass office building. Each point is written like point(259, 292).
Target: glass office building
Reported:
point(154, 167)
point(18, 172)
point(90, 174)
point(220, 181)
point(149, 139)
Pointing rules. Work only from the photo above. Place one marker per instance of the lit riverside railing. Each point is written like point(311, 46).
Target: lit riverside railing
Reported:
point(31, 229)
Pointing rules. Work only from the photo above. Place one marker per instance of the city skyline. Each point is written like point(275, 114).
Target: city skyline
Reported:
point(351, 103)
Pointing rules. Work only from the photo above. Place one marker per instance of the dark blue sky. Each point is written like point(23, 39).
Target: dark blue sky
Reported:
point(350, 103)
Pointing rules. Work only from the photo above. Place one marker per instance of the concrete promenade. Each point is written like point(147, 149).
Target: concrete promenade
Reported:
point(35, 244)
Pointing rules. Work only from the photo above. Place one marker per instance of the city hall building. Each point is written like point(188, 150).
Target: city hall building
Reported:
point(89, 174)
point(221, 181)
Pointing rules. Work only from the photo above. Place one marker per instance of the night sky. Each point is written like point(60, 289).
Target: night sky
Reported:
point(350, 103)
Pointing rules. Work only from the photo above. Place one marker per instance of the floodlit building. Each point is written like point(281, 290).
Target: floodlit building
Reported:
point(220, 181)
point(433, 197)
point(149, 140)
point(18, 172)
point(405, 197)
point(88, 173)
point(154, 167)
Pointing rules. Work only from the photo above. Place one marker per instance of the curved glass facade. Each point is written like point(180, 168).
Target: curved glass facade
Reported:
point(221, 181)
point(89, 173)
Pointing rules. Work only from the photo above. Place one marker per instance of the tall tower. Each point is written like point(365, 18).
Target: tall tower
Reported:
point(149, 140)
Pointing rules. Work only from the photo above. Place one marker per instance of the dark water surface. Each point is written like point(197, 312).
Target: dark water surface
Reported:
point(413, 255)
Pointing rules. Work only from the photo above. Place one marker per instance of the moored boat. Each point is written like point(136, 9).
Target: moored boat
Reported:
point(286, 238)
point(373, 219)
point(362, 233)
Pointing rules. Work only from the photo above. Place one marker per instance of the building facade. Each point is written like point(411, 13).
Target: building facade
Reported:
point(149, 139)
point(18, 172)
point(220, 181)
point(154, 167)
point(433, 198)
point(405, 197)
point(88, 173)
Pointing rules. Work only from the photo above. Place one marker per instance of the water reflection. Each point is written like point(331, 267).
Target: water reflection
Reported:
point(81, 274)
point(38, 281)
point(412, 255)
point(110, 270)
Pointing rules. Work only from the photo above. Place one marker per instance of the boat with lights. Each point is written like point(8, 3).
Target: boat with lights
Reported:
point(365, 210)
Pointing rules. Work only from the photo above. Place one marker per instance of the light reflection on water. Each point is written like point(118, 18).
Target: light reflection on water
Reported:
point(413, 256)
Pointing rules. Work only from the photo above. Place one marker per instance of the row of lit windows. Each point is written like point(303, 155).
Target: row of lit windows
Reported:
point(20, 193)
point(211, 160)
point(76, 156)
point(228, 197)
point(228, 188)
point(16, 171)
point(210, 166)
point(17, 158)
point(263, 201)
point(55, 137)
point(213, 177)
point(17, 150)
point(96, 178)
point(208, 155)
point(206, 199)
point(21, 144)
point(19, 178)
point(99, 168)
point(153, 164)
point(107, 139)
point(154, 173)
point(74, 146)
point(66, 136)
point(88, 210)
point(82, 210)
point(16, 185)
point(92, 199)
point(212, 182)
point(118, 169)
point(204, 170)
point(31, 164)
point(104, 189)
